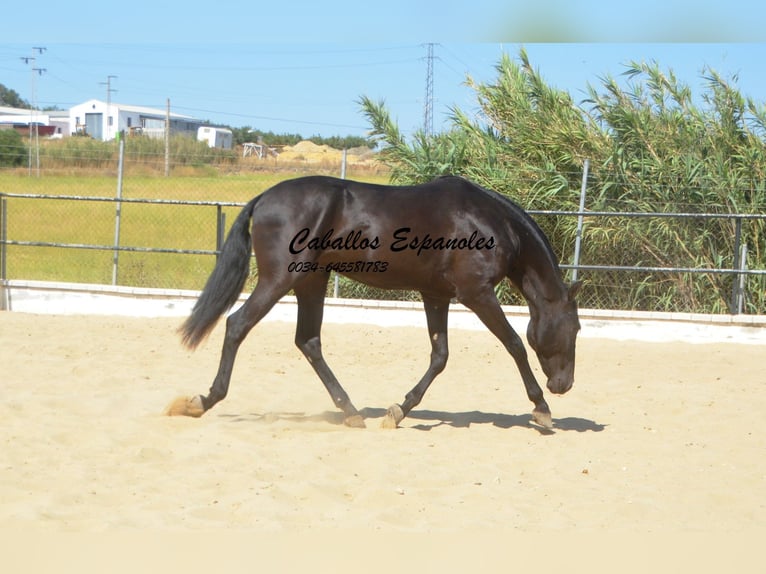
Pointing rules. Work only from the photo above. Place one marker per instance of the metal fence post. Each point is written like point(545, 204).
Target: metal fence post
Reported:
point(118, 209)
point(740, 280)
point(220, 230)
point(4, 303)
point(336, 279)
point(733, 303)
point(578, 236)
point(3, 235)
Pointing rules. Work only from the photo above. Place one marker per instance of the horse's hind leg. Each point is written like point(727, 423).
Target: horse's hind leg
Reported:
point(436, 316)
point(310, 294)
point(487, 308)
point(238, 325)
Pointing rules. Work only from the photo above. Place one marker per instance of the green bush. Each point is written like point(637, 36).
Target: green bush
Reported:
point(13, 152)
point(80, 152)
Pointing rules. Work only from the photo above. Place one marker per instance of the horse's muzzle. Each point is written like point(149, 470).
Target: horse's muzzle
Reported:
point(559, 385)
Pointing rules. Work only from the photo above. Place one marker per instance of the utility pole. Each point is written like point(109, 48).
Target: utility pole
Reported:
point(428, 111)
point(109, 91)
point(34, 140)
point(167, 139)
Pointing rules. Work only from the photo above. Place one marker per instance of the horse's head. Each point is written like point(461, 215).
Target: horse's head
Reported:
point(551, 333)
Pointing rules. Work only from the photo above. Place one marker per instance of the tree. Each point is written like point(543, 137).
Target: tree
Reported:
point(426, 158)
point(12, 99)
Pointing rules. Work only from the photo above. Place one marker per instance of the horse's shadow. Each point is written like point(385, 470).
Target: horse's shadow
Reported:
point(501, 420)
point(431, 419)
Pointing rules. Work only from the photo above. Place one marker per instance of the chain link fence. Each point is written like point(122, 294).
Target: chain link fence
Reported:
point(141, 243)
point(705, 266)
point(172, 244)
point(63, 221)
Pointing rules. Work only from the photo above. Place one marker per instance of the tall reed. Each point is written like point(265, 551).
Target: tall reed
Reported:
point(652, 147)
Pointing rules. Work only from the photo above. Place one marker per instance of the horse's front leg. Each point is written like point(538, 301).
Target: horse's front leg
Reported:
point(487, 308)
point(436, 316)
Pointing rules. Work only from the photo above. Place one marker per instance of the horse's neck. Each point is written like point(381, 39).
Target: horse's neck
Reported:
point(541, 281)
point(542, 287)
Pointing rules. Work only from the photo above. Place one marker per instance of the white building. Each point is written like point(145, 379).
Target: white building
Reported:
point(53, 123)
point(104, 121)
point(221, 138)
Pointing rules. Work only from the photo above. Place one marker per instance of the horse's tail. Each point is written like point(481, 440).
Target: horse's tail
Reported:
point(225, 283)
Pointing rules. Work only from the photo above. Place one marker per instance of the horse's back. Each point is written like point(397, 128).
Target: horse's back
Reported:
point(444, 207)
point(438, 195)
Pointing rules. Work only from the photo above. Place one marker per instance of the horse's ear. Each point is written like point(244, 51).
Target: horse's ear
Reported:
point(574, 288)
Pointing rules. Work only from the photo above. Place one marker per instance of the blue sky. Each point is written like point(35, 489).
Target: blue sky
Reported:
point(300, 67)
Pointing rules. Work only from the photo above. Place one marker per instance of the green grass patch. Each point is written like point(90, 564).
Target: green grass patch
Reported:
point(191, 227)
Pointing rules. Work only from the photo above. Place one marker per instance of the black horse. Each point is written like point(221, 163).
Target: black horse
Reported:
point(446, 239)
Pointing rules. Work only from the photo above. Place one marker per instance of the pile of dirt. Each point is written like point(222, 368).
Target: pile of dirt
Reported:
point(309, 152)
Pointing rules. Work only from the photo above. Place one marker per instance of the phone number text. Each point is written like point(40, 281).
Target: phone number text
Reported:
point(339, 267)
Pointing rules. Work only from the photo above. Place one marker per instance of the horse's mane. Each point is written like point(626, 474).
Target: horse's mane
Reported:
point(521, 216)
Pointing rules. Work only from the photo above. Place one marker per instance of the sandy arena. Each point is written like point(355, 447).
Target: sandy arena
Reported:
point(653, 438)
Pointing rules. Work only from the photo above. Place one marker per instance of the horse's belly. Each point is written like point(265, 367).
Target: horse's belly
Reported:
point(394, 276)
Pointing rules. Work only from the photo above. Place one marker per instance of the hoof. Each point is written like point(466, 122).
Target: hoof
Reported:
point(543, 418)
point(186, 407)
point(355, 422)
point(393, 417)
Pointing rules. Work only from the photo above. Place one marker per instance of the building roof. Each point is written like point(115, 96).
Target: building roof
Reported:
point(8, 111)
point(143, 110)
point(25, 112)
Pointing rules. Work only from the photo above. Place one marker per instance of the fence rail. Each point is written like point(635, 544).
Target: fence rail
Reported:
point(199, 238)
point(738, 218)
point(217, 204)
